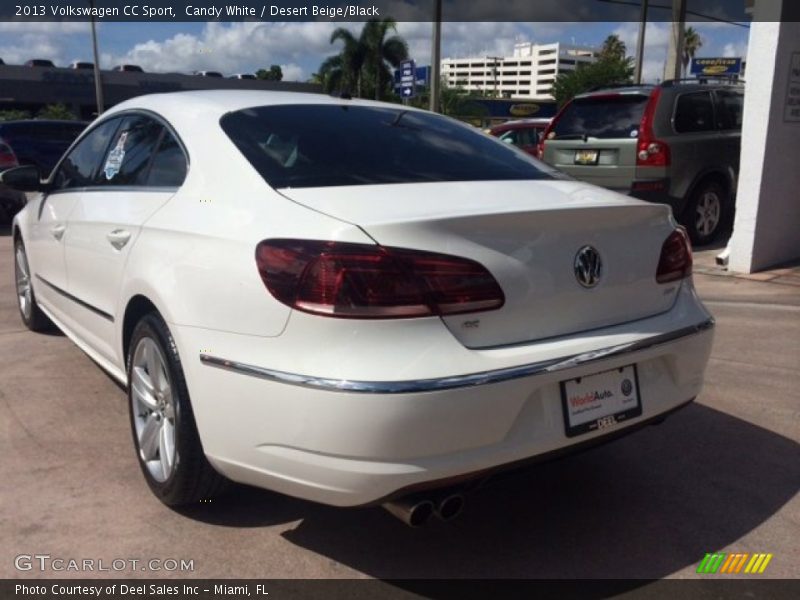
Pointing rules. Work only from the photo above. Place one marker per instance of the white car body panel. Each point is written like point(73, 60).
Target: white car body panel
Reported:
point(298, 426)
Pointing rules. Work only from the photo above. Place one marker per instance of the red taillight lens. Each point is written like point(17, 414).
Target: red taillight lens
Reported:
point(651, 152)
point(676, 257)
point(7, 157)
point(373, 282)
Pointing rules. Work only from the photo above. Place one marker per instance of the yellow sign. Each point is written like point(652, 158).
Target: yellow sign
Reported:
point(523, 110)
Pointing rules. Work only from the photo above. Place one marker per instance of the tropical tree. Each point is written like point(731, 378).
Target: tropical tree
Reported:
point(585, 77)
point(383, 52)
point(330, 74)
point(692, 42)
point(613, 48)
point(274, 73)
point(363, 64)
point(351, 59)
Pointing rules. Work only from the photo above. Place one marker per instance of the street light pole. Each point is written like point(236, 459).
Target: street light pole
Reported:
point(436, 58)
point(98, 85)
point(640, 43)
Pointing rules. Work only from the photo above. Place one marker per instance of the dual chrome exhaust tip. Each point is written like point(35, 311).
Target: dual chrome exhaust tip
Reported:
point(416, 511)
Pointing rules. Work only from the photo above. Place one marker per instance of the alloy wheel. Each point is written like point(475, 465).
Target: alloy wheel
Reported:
point(709, 209)
point(24, 294)
point(153, 409)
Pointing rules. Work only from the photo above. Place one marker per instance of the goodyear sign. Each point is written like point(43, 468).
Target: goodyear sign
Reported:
point(719, 67)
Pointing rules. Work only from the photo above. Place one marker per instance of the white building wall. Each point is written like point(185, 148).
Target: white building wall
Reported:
point(767, 226)
point(528, 73)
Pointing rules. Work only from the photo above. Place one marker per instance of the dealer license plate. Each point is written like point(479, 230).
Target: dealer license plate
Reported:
point(586, 157)
point(600, 401)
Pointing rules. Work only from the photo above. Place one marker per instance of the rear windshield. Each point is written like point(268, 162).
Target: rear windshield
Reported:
point(613, 116)
point(330, 145)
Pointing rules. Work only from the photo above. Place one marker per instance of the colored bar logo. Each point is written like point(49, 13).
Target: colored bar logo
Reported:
point(737, 562)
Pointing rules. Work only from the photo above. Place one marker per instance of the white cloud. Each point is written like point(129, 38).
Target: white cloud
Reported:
point(38, 40)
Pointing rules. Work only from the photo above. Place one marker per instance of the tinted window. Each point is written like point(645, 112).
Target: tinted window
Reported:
point(169, 164)
point(611, 116)
point(328, 145)
point(731, 108)
point(128, 157)
point(81, 164)
point(694, 112)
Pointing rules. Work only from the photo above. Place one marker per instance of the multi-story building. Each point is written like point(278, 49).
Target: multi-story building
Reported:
point(529, 73)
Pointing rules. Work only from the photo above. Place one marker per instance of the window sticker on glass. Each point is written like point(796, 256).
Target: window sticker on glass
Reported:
point(114, 160)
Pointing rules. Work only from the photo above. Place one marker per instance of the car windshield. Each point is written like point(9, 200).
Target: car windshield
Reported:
point(606, 116)
point(330, 145)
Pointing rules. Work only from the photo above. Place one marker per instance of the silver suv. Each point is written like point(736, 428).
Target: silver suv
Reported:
point(677, 143)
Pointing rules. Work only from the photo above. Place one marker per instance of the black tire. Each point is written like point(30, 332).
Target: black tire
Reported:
point(706, 213)
point(192, 478)
point(32, 316)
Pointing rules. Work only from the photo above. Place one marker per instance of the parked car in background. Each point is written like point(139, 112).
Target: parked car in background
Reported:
point(243, 76)
point(676, 143)
point(128, 69)
point(33, 142)
point(525, 133)
point(39, 62)
point(81, 65)
point(409, 312)
point(2, 62)
point(208, 73)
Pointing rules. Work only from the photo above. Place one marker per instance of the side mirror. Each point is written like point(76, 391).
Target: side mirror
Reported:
point(24, 179)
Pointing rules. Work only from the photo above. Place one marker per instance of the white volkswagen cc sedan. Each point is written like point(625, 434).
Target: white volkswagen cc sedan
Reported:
point(352, 302)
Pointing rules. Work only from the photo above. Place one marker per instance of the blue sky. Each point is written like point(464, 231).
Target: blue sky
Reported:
point(299, 47)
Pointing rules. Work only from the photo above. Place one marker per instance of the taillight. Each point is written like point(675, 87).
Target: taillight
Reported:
point(359, 281)
point(651, 152)
point(676, 257)
point(7, 157)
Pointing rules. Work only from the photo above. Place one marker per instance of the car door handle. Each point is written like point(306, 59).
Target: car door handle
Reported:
point(58, 231)
point(118, 238)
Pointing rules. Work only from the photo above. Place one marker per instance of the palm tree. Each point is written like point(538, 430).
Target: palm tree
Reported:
point(351, 58)
point(382, 50)
point(330, 74)
point(692, 42)
point(613, 49)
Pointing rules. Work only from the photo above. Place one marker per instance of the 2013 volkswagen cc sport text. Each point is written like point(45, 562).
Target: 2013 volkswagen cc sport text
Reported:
point(349, 301)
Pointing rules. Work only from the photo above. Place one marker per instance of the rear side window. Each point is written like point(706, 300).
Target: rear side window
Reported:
point(329, 145)
point(730, 106)
point(604, 116)
point(79, 167)
point(169, 164)
point(694, 112)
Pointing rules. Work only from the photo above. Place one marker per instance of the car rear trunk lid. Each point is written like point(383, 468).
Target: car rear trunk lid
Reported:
point(528, 235)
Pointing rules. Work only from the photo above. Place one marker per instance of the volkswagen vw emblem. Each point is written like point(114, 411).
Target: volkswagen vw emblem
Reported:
point(588, 267)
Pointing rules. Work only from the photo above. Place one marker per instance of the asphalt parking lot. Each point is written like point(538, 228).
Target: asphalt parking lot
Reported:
point(720, 475)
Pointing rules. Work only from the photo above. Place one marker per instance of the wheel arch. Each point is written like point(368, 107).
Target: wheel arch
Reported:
point(722, 175)
point(136, 307)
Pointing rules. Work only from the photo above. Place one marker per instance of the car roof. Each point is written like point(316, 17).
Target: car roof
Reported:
point(622, 89)
point(178, 105)
point(522, 123)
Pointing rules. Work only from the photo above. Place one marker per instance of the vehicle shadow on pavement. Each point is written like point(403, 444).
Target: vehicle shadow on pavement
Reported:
point(642, 507)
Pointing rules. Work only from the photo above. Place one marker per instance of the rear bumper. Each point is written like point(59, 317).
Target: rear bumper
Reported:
point(350, 441)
